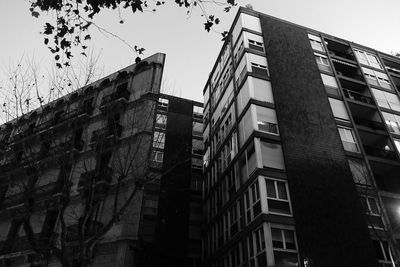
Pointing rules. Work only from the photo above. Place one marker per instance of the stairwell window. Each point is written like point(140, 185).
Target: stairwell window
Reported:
point(323, 63)
point(159, 140)
point(348, 139)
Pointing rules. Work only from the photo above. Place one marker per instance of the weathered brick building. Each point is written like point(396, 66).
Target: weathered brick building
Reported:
point(105, 174)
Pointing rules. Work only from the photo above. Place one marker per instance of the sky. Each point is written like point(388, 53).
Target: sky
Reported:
point(190, 50)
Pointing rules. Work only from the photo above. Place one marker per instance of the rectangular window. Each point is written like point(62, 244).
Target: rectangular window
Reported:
point(252, 203)
point(386, 100)
point(323, 63)
point(256, 45)
point(260, 247)
point(284, 246)
point(157, 156)
point(368, 59)
point(316, 42)
point(348, 140)
point(277, 197)
point(359, 172)
point(159, 140)
point(266, 120)
point(163, 103)
point(248, 161)
point(161, 121)
point(259, 69)
point(272, 155)
point(392, 122)
point(197, 129)
point(377, 78)
point(382, 251)
point(338, 109)
point(331, 86)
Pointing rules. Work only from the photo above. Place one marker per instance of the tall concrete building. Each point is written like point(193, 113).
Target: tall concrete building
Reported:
point(110, 173)
point(302, 142)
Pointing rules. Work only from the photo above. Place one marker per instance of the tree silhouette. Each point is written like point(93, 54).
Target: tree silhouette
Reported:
point(74, 18)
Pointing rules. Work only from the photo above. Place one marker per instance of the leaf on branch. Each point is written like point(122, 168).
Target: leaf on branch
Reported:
point(68, 54)
point(35, 14)
point(208, 25)
point(48, 28)
point(231, 2)
point(227, 9)
point(59, 65)
point(137, 60)
point(83, 54)
point(57, 57)
point(87, 37)
point(217, 21)
point(46, 41)
point(121, 21)
point(65, 44)
point(137, 5)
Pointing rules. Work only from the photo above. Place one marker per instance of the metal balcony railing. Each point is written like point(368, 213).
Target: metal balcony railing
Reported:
point(357, 96)
point(380, 152)
point(374, 125)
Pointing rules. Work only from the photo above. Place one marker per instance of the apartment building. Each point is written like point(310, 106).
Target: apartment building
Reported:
point(302, 142)
point(109, 174)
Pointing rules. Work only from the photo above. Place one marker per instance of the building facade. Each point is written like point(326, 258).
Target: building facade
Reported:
point(302, 143)
point(94, 176)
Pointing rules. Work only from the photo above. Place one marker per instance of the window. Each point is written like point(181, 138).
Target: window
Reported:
point(197, 129)
point(330, 83)
point(161, 121)
point(284, 246)
point(359, 172)
point(338, 109)
point(382, 251)
point(266, 120)
point(272, 155)
point(348, 140)
point(233, 219)
point(277, 197)
point(252, 203)
point(323, 63)
point(316, 42)
point(259, 69)
point(197, 147)
point(256, 45)
point(386, 100)
point(397, 144)
point(157, 156)
point(248, 161)
point(392, 122)
point(377, 78)
point(260, 247)
point(372, 211)
point(163, 103)
point(368, 59)
point(159, 140)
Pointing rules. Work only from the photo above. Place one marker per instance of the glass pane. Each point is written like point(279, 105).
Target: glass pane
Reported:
point(285, 259)
point(289, 239)
point(277, 240)
point(282, 190)
point(278, 206)
point(271, 189)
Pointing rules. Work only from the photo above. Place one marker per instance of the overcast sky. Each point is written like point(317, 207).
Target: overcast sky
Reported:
point(190, 50)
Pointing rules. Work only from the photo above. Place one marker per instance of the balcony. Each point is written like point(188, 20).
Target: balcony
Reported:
point(380, 152)
point(340, 50)
point(386, 176)
point(117, 99)
point(106, 133)
point(374, 125)
point(98, 180)
point(347, 70)
point(358, 96)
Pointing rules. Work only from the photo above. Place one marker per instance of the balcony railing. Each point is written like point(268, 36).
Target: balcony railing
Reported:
point(357, 96)
point(370, 124)
point(379, 152)
point(119, 97)
point(104, 133)
point(97, 180)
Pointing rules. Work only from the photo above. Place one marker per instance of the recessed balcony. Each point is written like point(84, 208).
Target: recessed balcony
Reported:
point(339, 50)
point(377, 146)
point(347, 70)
